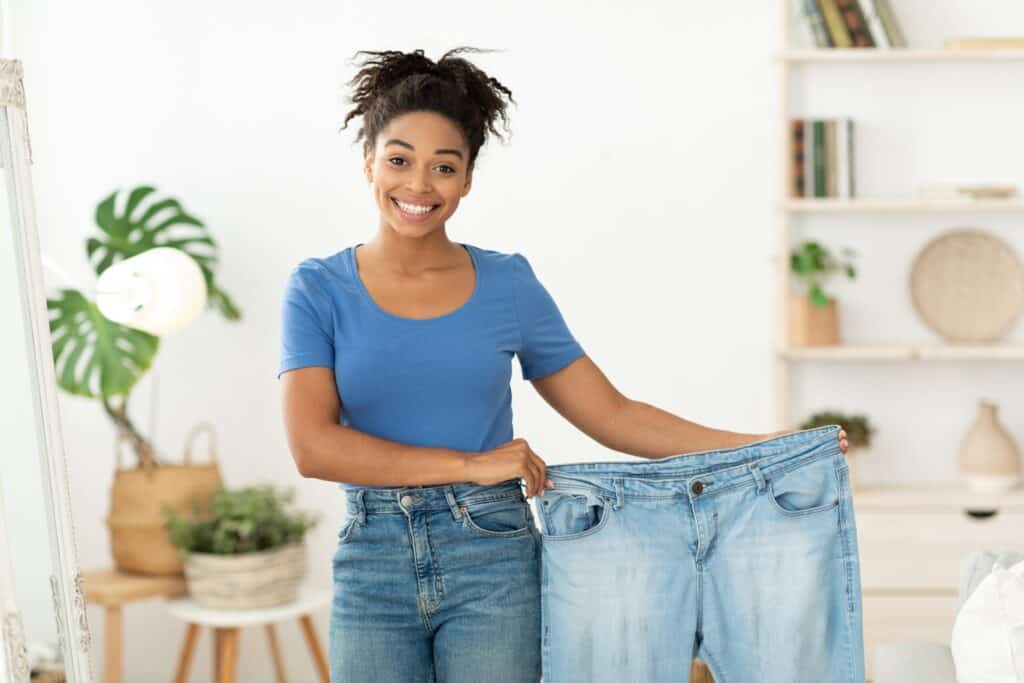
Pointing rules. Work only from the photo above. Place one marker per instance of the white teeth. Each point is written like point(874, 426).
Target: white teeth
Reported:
point(413, 208)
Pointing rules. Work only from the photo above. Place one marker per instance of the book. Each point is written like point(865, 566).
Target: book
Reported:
point(808, 158)
point(874, 22)
point(834, 22)
point(818, 151)
point(855, 23)
point(830, 158)
point(844, 158)
point(796, 137)
point(813, 19)
point(892, 27)
point(985, 43)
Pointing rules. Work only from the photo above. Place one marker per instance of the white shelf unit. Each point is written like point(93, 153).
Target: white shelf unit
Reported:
point(787, 60)
point(911, 536)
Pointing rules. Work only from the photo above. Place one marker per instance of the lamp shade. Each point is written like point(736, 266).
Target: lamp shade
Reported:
point(158, 291)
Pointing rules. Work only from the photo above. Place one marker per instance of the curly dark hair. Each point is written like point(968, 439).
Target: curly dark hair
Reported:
point(391, 83)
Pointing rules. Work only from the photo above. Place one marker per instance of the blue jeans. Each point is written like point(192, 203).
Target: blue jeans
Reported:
point(436, 583)
point(746, 557)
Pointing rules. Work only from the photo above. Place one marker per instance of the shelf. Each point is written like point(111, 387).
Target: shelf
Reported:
point(894, 352)
point(830, 55)
point(859, 205)
point(934, 494)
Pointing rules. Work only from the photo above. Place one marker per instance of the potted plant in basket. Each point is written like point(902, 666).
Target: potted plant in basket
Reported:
point(858, 435)
point(814, 318)
point(95, 357)
point(247, 549)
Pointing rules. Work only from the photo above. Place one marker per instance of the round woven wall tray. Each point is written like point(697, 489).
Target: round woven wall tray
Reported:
point(967, 285)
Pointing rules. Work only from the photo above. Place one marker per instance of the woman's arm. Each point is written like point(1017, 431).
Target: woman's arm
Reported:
point(324, 449)
point(584, 396)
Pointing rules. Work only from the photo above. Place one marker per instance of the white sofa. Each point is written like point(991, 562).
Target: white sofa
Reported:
point(921, 662)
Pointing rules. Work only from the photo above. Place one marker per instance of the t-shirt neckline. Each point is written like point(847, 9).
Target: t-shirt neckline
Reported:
point(365, 294)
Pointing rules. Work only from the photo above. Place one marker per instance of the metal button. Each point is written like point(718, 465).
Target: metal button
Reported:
point(697, 488)
point(406, 500)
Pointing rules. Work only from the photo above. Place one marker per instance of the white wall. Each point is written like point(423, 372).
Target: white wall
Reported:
point(640, 180)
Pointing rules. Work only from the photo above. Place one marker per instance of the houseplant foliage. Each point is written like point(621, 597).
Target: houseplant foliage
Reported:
point(240, 521)
point(98, 358)
point(814, 264)
point(858, 427)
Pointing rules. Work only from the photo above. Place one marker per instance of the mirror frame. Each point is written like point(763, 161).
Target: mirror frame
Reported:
point(65, 579)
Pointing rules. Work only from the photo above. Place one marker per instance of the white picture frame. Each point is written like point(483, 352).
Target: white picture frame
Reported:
point(65, 579)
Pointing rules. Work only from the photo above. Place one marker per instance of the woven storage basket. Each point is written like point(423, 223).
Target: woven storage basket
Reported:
point(138, 539)
point(260, 579)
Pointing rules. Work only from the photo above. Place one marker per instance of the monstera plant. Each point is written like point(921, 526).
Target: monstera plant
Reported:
point(97, 358)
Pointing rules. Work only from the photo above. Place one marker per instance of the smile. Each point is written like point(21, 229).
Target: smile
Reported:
point(415, 209)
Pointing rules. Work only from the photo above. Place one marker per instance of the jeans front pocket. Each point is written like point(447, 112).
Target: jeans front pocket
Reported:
point(502, 518)
point(573, 511)
point(809, 488)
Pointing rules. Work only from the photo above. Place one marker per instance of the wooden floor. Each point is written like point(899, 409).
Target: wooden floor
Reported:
point(699, 673)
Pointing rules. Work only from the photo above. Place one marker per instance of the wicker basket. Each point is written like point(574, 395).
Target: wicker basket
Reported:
point(261, 579)
point(138, 539)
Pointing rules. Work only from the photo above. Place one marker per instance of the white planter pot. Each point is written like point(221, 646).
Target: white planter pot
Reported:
point(260, 579)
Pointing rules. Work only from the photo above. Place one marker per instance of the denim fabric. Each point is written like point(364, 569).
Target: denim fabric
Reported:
point(436, 583)
point(746, 557)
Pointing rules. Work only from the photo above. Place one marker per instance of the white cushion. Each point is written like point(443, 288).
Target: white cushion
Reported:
point(988, 634)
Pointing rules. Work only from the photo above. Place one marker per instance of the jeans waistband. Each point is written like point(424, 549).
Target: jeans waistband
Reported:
point(360, 501)
point(716, 470)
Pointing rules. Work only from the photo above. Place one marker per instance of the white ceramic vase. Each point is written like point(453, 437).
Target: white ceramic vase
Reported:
point(989, 458)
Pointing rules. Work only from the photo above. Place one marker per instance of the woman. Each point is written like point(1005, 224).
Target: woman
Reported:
point(396, 357)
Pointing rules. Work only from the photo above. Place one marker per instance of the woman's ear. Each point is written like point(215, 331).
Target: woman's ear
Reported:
point(368, 167)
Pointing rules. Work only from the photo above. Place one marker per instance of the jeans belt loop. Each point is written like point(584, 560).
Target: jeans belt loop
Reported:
point(450, 495)
point(360, 507)
point(618, 494)
point(758, 476)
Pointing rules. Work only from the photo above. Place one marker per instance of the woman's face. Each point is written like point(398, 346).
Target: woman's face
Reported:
point(419, 171)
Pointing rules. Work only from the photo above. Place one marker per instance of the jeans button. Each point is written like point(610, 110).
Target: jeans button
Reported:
point(697, 488)
point(406, 500)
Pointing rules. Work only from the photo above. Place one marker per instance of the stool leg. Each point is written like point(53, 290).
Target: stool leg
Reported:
point(185, 661)
point(218, 641)
point(112, 647)
point(228, 656)
point(275, 653)
point(309, 631)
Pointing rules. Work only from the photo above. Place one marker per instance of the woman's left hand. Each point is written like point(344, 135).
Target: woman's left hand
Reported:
point(843, 444)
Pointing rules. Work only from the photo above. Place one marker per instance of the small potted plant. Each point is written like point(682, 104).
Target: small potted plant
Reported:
point(858, 435)
point(814, 317)
point(247, 550)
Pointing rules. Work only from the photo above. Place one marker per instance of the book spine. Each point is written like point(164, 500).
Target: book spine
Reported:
point(834, 21)
point(851, 165)
point(808, 158)
point(815, 21)
point(819, 158)
point(842, 160)
point(855, 23)
point(830, 158)
point(892, 27)
point(874, 22)
point(796, 128)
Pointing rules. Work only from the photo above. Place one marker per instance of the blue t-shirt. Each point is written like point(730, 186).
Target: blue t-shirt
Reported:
point(438, 382)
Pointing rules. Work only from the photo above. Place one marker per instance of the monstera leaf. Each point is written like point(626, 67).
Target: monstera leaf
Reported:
point(94, 356)
point(163, 223)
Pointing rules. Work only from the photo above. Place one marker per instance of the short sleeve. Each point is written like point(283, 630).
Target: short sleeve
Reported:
point(546, 343)
point(306, 331)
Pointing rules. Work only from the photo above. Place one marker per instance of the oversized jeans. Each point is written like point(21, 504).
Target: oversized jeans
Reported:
point(436, 583)
point(746, 557)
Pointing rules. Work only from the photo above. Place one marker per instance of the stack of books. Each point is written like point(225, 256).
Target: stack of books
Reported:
point(822, 158)
point(852, 23)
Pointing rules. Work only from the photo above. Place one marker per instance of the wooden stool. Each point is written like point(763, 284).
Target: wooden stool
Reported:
point(111, 589)
point(226, 622)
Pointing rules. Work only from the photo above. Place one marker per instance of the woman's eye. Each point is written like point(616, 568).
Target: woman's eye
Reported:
point(396, 159)
point(449, 171)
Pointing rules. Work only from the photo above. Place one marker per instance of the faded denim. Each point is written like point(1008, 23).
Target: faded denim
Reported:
point(436, 583)
point(746, 557)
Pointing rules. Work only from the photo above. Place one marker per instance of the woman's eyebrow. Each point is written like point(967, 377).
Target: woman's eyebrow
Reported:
point(403, 143)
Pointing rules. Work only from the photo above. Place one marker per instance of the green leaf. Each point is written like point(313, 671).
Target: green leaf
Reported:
point(94, 356)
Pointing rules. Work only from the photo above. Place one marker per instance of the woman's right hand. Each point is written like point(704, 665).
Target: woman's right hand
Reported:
point(511, 460)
